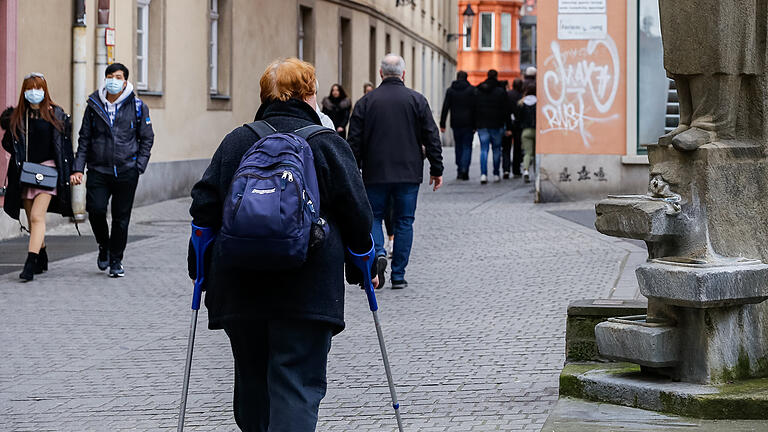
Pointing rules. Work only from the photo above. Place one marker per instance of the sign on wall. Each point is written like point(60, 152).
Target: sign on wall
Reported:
point(582, 26)
point(581, 6)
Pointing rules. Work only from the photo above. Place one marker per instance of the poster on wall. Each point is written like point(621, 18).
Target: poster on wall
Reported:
point(580, 6)
point(582, 26)
point(581, 79)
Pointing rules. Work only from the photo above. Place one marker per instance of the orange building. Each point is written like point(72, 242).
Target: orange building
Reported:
point(502, 36)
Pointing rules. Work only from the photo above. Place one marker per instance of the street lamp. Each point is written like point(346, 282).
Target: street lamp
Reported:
point(468, 14)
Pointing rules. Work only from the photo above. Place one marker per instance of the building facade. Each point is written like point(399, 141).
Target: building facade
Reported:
point(197, 64)
point(602, 96)
point(500, 35)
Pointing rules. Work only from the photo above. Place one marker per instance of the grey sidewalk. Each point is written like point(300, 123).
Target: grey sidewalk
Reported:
point(476, 342)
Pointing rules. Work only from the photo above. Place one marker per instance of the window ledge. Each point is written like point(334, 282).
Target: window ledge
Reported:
point(149, 93)
point(220, 97)
point(635, 160)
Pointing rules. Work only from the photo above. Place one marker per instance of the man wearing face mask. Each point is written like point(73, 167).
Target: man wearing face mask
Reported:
point(115, 143)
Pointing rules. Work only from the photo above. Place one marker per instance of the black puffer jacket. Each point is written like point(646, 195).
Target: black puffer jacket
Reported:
point(314, 291)
point(62, 202)
point(514, 97)
point(338, 110)
point(492, 110)
point(114, 148)
point(460, 102)
point(387, 130)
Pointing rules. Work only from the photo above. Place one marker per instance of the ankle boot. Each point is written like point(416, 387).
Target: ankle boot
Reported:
point(29, 267)
point(42, 261)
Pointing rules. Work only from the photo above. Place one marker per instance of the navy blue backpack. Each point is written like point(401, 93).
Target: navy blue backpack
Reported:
point(272, 210)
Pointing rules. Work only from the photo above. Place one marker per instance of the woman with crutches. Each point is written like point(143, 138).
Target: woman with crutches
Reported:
point(280, 323)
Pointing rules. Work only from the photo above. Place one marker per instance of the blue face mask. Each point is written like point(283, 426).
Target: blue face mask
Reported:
point(114, 85)
point(34, 96)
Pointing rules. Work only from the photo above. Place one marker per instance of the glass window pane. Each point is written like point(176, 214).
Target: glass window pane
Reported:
point(486, 30)
point(468, 33)
point(655, 107)
point(506, 32)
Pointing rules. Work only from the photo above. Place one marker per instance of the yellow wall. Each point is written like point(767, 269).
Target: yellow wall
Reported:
point(185, 127)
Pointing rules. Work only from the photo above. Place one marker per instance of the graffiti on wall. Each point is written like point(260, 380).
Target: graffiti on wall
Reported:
point(580, 87)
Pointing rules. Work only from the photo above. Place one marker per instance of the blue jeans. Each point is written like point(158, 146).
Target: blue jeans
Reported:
point(463, 141)
point(403, 197)
point(280, 373)
point(492, 137)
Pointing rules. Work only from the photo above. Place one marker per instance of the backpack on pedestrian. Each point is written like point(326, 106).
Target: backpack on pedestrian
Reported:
point(271, 216)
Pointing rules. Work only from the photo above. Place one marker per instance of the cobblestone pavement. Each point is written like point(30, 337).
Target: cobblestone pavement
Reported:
point(476, 342)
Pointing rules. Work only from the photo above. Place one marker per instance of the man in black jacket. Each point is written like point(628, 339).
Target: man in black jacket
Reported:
point(388, 128)
point(116, 138)
point(492, 115)
point(460, 102)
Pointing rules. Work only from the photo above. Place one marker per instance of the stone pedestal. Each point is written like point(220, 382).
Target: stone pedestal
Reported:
point(705, 279)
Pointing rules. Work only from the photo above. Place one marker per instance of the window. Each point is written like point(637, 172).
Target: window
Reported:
point(506, 32)
point(345, 53)
point(423, 70)
point(306, 35)
point(402, 49)
point(468, 34)
point(657, 107)
point(387, 44)
point(412, 75)
point(372, 69)
point(213, 47)
point(142, 44)
point(527, 41)
point(486, 30)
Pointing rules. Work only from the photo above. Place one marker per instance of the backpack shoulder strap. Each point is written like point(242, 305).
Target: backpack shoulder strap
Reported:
point(261, 128)
point(139, 108)
point(310, 131)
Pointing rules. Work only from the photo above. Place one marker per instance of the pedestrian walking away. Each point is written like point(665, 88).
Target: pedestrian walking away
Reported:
point(338, 106)
point(527, 111)
point(387, 130)
point(37, 136)
point(492, 121)
point(280, 321)
point(115, 142)
point(512, 144)
point(460, 103)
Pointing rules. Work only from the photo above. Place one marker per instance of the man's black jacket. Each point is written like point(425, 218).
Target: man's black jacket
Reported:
point(460, 101)
point(111, 148)
point(513, 97)
point(387, 130)
point(492, 110)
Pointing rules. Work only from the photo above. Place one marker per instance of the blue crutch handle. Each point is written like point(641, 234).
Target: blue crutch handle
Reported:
point(364, 263)
point(201, 240)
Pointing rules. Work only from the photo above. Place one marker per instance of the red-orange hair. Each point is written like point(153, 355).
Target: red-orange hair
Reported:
point(286, 79)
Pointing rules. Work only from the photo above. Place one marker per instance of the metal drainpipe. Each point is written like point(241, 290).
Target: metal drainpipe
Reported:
point(79, 59)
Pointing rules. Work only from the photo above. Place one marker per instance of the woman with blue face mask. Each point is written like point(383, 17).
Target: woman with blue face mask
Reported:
point(37, 131)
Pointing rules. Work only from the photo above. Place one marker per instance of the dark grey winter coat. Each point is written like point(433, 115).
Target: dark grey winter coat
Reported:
point(62, 202)
point(112, 148)
point(314, 291)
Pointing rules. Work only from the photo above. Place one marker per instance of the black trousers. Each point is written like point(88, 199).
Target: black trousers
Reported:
point(506, 150)
point(122, 189)
point(517, 151)
point(280, 368)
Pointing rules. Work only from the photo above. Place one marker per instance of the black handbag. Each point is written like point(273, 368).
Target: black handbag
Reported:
point(36, 175)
